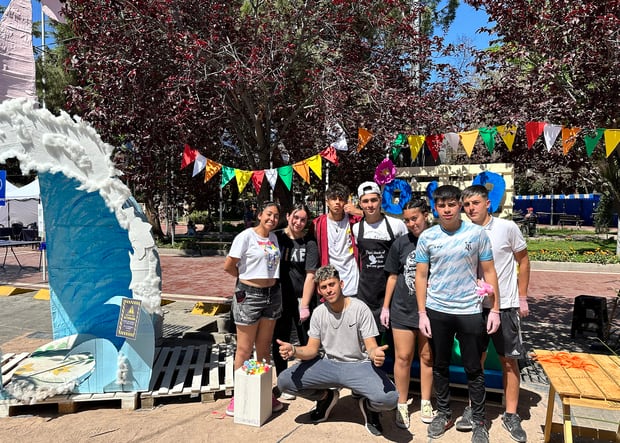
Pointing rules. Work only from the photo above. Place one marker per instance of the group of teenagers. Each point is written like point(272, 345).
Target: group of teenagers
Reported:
point(347, 278)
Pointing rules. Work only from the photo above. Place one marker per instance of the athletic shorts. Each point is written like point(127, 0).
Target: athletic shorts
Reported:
point(250, 304)
point(395, 325)
point(507, 340)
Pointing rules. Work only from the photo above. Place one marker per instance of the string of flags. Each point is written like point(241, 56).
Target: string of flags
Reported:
point(507, 133)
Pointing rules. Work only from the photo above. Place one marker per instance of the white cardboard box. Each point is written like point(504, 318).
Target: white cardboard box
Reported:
point(252, 397)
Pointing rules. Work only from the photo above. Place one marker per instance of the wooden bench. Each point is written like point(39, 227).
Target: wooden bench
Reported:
point(570, 219)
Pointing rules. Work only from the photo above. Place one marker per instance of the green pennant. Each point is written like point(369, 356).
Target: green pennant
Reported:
point(488, 137)
point(228, 174)
point(286, 175)
point(591, 140)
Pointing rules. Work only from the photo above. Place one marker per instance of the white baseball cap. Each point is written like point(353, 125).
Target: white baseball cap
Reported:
point(368, 188)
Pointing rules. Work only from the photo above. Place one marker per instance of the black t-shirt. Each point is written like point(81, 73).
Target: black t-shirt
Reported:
point(296, 257)
point(401, 261)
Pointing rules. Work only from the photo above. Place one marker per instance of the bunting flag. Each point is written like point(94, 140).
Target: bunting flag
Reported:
point(487, 135)
point(316, 165)
point(592, 139)
point(533, 131)
point(468, 138)
point(397, 145)
point(189, 155)
point(286, 175)
point(199, 163)
point(415, 144)
point(612, 137)
point(569, 137)
point(243, 177)
point(303, 170)
point(363, 137)
point(453, 140)
point(508, 134)
point(228, 174)
point(330, 155)
point(272, 177)
point(551, 133)
point(434, 144)
point(53, 8)
point(257, 180)
point(340, 137)
point(211, 168)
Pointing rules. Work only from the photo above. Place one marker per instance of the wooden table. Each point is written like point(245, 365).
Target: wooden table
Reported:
point(597, 386)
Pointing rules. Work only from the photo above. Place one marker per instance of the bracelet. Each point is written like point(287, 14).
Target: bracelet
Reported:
point(294, 350)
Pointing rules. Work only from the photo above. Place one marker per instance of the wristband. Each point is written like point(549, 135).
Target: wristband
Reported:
point(294, 350)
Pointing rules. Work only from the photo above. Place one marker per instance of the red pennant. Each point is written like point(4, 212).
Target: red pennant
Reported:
point(189, 155)
point(533, 131)
point(330, 155)
point(257, 179)
point(434, 144)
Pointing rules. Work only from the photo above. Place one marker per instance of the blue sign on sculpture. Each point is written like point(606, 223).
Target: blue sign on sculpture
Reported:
point(2, 188)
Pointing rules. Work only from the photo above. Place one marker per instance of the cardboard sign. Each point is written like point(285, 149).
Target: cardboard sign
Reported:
point(128, 317)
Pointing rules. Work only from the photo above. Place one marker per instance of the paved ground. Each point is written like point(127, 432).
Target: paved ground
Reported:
point(26, 325)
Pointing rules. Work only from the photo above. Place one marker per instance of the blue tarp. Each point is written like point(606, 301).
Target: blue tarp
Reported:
point(583, 205)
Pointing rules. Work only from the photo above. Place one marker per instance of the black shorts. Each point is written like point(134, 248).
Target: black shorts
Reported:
point(507, 340)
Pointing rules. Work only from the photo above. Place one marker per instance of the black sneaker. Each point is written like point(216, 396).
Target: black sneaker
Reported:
point(440, 424)
point(464, 423)
point(325, 406)
point(371, 418)
point(512, 423)
point(480, 433)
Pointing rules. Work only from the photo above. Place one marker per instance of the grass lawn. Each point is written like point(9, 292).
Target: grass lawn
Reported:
point(572, 246)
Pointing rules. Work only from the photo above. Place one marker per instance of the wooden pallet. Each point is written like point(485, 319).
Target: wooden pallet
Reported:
point(191, 371)
point(10, 362)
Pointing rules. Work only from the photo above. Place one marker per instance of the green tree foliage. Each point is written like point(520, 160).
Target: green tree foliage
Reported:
point(272, 75)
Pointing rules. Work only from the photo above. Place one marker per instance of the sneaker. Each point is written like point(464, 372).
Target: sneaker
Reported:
point(440, 424)
point(426, 411)
point(325, 406)
point(230, 410)
point(464, 423)
point(355, 395)
point(287, 396)
point(402, 416)
point(371, 418)
point(512, 423)
point(480, 433)
point(276, 406)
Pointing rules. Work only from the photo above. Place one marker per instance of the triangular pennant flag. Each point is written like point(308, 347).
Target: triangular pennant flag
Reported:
point(434, 144)
point(612, 137)
point(363, 137)
point(507, 133)
point(592, 139)
point(533, 131)
point(272, 177)
point(330, 155)
point(302, 169)
point(415, 144)
point(487, 134)
point(316, 164)
point(340, 138)
point(551, 134)
point(189, 155)
point(468, 138)
point(199, 164)
point(211, 169)
point(286, 175)
point(257, 180)
point(52, 8)
point(453, 141)
point(243, 177)
point(228, 174)
point(569, 137)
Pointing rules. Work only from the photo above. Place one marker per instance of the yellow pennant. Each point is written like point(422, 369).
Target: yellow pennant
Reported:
point(302, 169)
point(569, 137)
point(507, 133)
point(468, 138)
point(316, 164)
point(243, 177)
point(415, 144)
point(612, 137)
point(211, 168)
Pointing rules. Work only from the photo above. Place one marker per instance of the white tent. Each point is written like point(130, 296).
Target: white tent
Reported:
point(22, 204)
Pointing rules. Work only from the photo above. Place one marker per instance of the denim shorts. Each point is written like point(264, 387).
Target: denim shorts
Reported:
point(250, 304)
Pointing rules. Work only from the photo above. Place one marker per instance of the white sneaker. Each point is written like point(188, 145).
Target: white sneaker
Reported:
point(402, 416)
point(426, 411)
point(287, 396)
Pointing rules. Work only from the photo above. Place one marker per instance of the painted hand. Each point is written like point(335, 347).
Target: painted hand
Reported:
point(385, 317)
point(493, 322)
point(425, 325)
point(304, 314)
